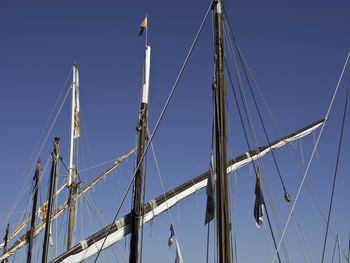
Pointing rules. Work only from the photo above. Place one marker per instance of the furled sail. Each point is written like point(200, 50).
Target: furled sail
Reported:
point(22, 241)
point(121, 227)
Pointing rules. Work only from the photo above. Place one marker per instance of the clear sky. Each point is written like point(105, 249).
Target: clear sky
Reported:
point(296, 50)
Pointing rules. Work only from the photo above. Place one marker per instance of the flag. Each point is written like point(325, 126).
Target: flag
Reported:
point(43, 211)
point(209, 213)
point(76, 134)
point(170, 242)
point(76, 110)
point(178, 258)
point(259, 201)
point(143, 26)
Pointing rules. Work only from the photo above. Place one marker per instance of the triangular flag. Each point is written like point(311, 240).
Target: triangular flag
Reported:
point(143, 26)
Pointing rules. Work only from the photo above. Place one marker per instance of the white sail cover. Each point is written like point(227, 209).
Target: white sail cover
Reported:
point(120, 228)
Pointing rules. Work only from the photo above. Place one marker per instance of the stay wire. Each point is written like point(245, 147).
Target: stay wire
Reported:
point(42, 146)
point(313, 153)
point(30, 200)
point(157, 124)
point(91, 205)
point(247, 114)
point(335, 245)
point(288, 147)
point(163, 189)
point(301, 235)
point(259, 114)
point(286, 195)
point(335, 172)
point(248, 144)
point(293, 158)
point(249, 120)
point(254, 136)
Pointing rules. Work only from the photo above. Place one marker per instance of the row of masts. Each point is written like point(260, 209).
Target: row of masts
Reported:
point(71, 184)
point(223, 226)
point(222, 213)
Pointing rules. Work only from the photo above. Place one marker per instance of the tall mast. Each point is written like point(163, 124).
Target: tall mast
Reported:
point(54, 154)
point(142, 130)
point(71, 147)
point(222, 219)
point(32, 222)
point(72, 172)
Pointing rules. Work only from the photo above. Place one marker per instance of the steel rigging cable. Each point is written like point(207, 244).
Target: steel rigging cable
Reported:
point(335, 172)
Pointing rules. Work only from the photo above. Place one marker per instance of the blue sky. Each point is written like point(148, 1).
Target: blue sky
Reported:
point(296, 51)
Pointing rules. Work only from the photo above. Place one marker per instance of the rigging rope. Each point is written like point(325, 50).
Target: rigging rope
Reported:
point(158, 122)
point(286, 195)
point(245, 134)
point(91, 205)
point(297, 224)
point(163, 189)
point(97, 165)
point(335, 172)
point(288, 146)
point(245, 65)
point(290, 152)
point(42, 146)
point(312, 155)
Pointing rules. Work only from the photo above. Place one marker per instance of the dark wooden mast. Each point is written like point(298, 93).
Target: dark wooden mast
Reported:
point(222, 218)
point(54, 154)
point(32, 222)
point(141, 127)
point(5, 241)
point(72, 204)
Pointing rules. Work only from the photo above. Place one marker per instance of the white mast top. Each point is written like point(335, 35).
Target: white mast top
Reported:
point(146, 73)
point(74, 116)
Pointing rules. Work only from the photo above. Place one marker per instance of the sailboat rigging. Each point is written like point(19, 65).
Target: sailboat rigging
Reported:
point(122, 227)
point(141, 211)
point(142, 130)
point(53, 175)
